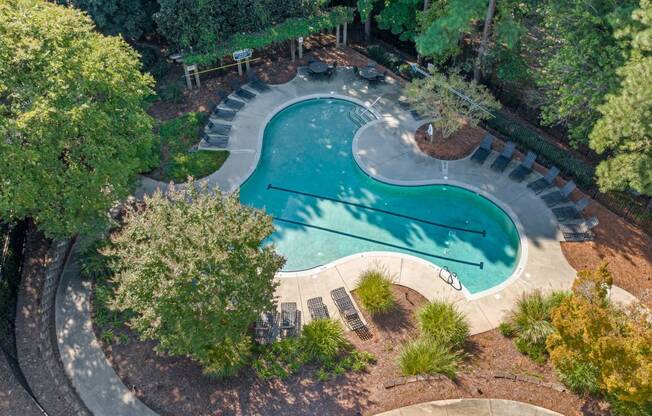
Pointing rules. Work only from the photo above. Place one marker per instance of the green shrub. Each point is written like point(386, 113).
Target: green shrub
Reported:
point(506, 329)
point(405, 70)
point(196, 164)
point(387, 59)
point(279, 359)
point(547, 152)
point(226, 359)
point(92, 263)
point(172, 92)
point(530, 323)
point(374, 290)
point(578, 376)
point(443, 322)
point(322, 340)
point(428, 356)
point(627, 408)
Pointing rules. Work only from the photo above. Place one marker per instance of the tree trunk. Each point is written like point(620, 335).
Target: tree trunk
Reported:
point(426, 6)
point(367, 28)
point(482, 50)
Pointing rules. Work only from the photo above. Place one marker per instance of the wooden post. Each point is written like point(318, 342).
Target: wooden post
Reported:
point(300, 40)
point(247, 65)
point(293, 47)
point(197, 77)
point(337, 36)
point(186, 72)
point(239, 67)
point(344, 41)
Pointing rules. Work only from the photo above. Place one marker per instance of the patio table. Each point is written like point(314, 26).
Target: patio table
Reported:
point(369, 73)
point(318, 67)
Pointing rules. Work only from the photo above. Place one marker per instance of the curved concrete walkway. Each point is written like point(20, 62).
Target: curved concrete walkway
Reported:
point(471, 407)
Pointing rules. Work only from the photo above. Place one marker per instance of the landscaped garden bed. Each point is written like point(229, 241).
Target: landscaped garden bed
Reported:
point(458, 146)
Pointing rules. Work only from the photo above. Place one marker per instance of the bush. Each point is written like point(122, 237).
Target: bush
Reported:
point(443, 322)
point(374, 290)
point(322, 340)
point(428, 356)
point(547, 152)
point(578, 376)
point(387, 59)
point(227, 358)
point(405, 70)
point(172, 92)
point(530, 323)
point(279, 359)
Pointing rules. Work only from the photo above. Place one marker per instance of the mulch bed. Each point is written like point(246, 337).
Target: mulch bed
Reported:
point(175, 385)
point(457, 146)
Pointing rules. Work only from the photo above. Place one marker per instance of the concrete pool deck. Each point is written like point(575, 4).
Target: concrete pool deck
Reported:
point(385, 149)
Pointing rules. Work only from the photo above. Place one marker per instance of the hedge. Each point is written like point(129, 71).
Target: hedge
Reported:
point(389, 60)
point(547, 152)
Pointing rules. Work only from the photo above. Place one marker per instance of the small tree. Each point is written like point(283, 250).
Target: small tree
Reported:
point(192, 269)
point(602, 343)
point(450, 101)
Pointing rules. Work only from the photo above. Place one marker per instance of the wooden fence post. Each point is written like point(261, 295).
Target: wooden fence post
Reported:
point(337, 36)
point(344, 40)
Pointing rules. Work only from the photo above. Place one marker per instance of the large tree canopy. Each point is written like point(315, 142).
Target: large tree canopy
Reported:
point(625, 128)
point(192, 267)
point(73, 127)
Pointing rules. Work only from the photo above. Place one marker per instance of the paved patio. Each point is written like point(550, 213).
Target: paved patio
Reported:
point(471, 407)
point(385, 150)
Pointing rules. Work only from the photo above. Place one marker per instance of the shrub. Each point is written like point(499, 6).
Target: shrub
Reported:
point(227, 358)
point(322, 340)
point(443, 322)
point(92, 263)
point(428, 356)
point(374, 290)
point(547, 152)
point(530, 323)
point(578, 376)
point(387, 59)
point(172, 92)
point(279, 359)
point(405, 70)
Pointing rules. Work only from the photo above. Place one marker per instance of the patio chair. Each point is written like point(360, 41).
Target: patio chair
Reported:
point(220, 113)
point(504, 158)
point(218, 128)
point(580, 231)
point(371, 64)
point(232, 104)
point(257, 83)
point(265, 328)
point(332, 69)
point(572, 212)
point(484, 150)
point(216, 140)
point(545, 182)
point(289, 319)
point(347, 309)
point(525, 168)
point(239, 91)
point(559, 196)
point(317, 309)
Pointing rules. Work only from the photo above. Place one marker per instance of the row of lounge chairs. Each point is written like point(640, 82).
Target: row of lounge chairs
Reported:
point(216, 131)
point(287, 322)
point(569, 216)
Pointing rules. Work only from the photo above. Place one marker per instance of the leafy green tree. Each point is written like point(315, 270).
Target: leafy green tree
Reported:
point(450, 101)
point(608, 345)
point(400, 17)
point(72, 119)
point(578, 59)
point(129, 18)
point(192, 269)
point(625, 128)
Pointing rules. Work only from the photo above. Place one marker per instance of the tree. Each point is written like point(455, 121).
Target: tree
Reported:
point(400, 17)
point(192, 268)
point(625, 127)
point(72, 119)
point(578, 59)
point(129, 18)
point(615, 344)
point(450, 101)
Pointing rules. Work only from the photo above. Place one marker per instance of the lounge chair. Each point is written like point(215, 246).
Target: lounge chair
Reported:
point(265, 328)
point(257, 84)
point(484, 150)
point(504, 158)
point(234, 105)
point(347, 309)
point(239, 91)
point(317, 309)
point(289, 322)
point(545, 182)
point(559, 196)
point(226, 115)
point(572, 212)
point(525, 168)
point(579, 231)
point(216, 140)
point(218, 128)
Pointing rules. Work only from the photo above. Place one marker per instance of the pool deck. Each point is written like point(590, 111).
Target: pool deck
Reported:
point(385, 149)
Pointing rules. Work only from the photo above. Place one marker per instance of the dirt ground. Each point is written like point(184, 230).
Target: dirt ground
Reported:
point(176, 386)
point(458, 146)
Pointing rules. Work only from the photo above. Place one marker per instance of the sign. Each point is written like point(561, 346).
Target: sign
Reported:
point(430, 130)
point(242, 54)
point(300, 39)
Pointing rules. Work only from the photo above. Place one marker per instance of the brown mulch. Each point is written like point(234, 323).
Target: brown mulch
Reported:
point(275, 67)
point(457, 146)
point(176, 386)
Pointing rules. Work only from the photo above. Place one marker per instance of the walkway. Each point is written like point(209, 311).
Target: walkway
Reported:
point(471, 407)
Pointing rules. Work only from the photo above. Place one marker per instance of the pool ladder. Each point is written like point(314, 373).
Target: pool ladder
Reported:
point(361, 116)
point(450, 278)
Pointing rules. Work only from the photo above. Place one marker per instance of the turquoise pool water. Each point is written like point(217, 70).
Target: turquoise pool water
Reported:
point(325, 207)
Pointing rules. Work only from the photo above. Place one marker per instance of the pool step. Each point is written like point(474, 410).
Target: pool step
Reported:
point(361, 116)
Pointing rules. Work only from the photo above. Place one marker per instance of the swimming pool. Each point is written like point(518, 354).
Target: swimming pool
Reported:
point(325, 207)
